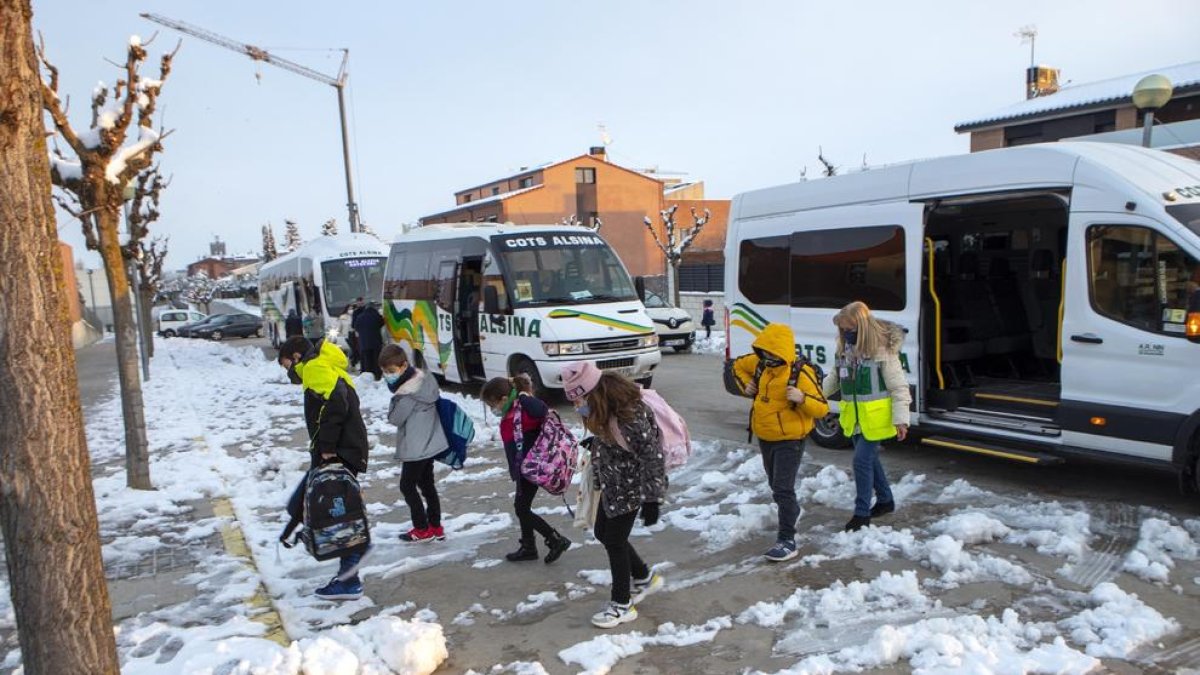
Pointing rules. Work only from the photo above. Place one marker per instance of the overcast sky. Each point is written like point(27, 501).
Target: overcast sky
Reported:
point(447, 95)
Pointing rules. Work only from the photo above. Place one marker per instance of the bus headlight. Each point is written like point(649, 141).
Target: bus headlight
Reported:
point(562, 348)
point(650, 340)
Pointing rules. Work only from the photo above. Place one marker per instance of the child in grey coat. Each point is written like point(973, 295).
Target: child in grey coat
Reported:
point(419, 438)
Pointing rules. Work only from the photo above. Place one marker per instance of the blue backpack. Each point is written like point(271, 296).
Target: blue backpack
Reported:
point(459, 430)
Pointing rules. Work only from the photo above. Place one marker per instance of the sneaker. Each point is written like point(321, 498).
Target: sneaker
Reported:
point(558, 545)
point(644, 587)
point(882, 509)
point(415, 535)
point(614, 614)
point(857, 523)
point(438, 533)
point(352, 570)
point(781, 551)
point(341, 589)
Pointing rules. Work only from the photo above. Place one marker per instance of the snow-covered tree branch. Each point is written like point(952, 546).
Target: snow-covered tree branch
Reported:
point(673, 243)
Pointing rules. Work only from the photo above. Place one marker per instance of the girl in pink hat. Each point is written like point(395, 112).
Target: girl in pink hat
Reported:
point(629, 474)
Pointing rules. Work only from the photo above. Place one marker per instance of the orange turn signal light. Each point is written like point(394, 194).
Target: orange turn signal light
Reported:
point(1099, 421)
point(1193, 324)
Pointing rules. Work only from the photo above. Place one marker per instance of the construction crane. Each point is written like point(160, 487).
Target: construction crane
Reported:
point(259, 54)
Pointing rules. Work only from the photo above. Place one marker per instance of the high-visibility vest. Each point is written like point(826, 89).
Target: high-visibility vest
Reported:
point(866, 403)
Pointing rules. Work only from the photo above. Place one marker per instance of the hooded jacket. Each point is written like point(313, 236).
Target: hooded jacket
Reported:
point(875, 394)
point(772, 416)
point(331, 408)
point(413, 410)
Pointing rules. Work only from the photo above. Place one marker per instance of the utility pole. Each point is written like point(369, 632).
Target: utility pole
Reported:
point(259, 54)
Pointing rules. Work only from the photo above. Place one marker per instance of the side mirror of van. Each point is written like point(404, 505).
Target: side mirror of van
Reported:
point(639, 285)
point(491, 300)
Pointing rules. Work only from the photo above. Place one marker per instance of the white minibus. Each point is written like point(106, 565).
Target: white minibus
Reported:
point(1049, 293)
point(471, 302)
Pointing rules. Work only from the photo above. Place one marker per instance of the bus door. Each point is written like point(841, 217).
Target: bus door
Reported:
point(469, 295)
point(448, 343)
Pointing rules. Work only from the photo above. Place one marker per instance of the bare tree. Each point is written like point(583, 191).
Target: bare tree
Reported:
point(291, 236)
point(674, 242)
point(47, 507)
point(573, 221)
point(366, 229)
point(596, 224)
point(97, 177)
point(146, 255)
point(329, 228)
point(830, 169)
point(269, 252)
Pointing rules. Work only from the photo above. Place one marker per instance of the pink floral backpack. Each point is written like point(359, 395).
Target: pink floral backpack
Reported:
point(550, 462)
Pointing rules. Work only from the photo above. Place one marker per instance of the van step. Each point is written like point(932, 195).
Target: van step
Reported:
point(1018, 400)
point(992, 450)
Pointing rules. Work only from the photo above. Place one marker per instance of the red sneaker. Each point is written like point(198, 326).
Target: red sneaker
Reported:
point(438, 533)
point(414, 535)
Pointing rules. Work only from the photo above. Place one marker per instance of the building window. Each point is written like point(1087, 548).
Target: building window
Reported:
point(1140, 278)
point(763, 270)
point(525, 182)
point(466, 198)
point(832, 268)
point(585, 175)
point(702, 277)
point(495, 191)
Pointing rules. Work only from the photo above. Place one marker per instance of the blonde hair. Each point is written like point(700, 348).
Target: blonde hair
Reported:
point(870, 333)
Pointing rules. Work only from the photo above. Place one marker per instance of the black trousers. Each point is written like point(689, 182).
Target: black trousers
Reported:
point(530, 521)
point(416, 481)
point(623, 560)
point(370, 362)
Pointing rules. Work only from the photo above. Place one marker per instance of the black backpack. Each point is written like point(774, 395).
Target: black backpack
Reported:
point(733, 386)
point(329, 504)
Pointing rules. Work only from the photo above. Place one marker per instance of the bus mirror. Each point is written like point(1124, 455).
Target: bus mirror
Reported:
point(491, 300)
point(639, 284)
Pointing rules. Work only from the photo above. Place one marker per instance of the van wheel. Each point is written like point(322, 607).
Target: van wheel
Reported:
point(168, 333)
point(646, 382)
point(259, 332)
point(217, 335)
point(827, 432)
point(523, 366)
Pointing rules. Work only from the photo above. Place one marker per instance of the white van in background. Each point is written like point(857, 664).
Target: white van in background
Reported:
point(169, 320)
point(1049, 293)
point(472, 302)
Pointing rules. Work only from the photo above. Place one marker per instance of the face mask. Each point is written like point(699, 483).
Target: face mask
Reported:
point(850, 337)
point(392, 378)
point(584, 410)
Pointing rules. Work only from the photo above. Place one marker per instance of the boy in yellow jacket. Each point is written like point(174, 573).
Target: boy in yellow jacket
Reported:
point(786, 401)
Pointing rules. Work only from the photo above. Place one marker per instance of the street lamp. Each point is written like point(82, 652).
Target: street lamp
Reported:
point(1149, 94)
point(92, 287)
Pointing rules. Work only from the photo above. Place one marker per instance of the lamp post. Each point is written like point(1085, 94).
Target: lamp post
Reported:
point(92, 288)
point(1149, 94)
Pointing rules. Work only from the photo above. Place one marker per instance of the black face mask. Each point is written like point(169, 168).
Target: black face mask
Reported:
point(293, 376)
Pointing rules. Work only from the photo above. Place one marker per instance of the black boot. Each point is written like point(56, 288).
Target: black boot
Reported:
point(857, 523)
point(527, 551)
point(558, 545)
point(882, 509)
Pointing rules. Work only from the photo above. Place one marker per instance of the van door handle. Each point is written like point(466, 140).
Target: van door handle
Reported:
point(1088, 338)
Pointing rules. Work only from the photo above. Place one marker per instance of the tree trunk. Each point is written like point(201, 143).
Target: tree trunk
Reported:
point(147, 320)
point(137, 456)
point(47, 507)
point(673, 283)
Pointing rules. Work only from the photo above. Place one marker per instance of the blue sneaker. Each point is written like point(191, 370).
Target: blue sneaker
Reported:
point(348, 589)
point(781, 551)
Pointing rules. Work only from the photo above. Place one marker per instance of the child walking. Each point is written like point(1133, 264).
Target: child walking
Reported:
point(875, 401)
point(419, 438)
point(708, 320)
point(629, 473)
point(512, 400)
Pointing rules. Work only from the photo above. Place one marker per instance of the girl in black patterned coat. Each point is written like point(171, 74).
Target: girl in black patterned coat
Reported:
point(627, 464)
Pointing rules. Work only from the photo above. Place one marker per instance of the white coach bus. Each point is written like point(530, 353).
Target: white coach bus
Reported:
point(1049, 293)
point(471, 302)
point(318, 281)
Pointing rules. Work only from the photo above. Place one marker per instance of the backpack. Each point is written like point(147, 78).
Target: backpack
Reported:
point(329, 503)
point(676, 442)
point(459, 430)
point(550, 462)
point(793, 378)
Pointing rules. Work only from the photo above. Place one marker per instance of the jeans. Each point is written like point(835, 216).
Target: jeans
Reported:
point(347, 562)
point(416, 481)
point(530, 521)
point(624, 562)
point(869, 476)
point(781, 460)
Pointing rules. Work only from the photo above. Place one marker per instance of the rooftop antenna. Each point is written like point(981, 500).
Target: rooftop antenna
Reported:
point(1028, 33)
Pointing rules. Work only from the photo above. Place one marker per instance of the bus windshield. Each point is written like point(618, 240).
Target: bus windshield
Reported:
point(563, 269)
point(349, 279)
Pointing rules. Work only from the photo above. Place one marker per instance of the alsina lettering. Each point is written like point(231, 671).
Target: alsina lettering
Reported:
point(502, 324)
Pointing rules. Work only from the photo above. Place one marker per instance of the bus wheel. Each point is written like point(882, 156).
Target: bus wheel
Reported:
point(827, 432)
point(523, 366)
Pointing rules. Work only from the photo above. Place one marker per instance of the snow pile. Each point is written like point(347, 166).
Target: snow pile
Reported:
point(946, 554)
point(1049, 527)
point(831, 486)
point(1160, 542)
point(878, 543)
point(706, 345)
point(722, 530)
point(961, 491)
point(971, 527)
point(892, 594)
point(383, 644)
point(514, 668)
point(1121, 623)
point(598, 655)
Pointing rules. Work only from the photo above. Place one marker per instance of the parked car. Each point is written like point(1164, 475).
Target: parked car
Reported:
point(674, 326)
point(171, 320)
point(231, 325)
point(189, 330)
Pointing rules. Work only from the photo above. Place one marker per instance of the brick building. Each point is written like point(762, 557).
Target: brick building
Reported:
point(589, 187)
point(215, 268)
point(1095, 111)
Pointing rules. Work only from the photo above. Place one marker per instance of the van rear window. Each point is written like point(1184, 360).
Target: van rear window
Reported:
point(1188, 215)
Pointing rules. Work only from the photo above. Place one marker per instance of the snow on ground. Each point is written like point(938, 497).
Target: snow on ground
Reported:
point(598, 655)
point(712, 345)
point(1160, 543)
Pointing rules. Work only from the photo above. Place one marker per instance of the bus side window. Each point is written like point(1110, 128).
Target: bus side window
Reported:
point(1140, 278)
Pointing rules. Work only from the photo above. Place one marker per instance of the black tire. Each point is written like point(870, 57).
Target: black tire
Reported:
point(827, 433)
point(258, 332)
point(168, 333)
point(216, 336)
point(522, 365)
point(646, 382)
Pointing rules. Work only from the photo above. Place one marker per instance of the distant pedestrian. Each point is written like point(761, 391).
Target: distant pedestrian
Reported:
point(786, 401)
point(336, 432)
point(369, 326)
point(293, 325)
point(419, 438)
point(629, 473)
point(875, 401)
point(521, 417)
point(708, 320)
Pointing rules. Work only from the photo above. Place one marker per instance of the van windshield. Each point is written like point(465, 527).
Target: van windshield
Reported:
point(349, 279)
point(562, 269)
point(1188, 214)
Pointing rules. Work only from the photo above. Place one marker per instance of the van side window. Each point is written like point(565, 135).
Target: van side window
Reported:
point(831, 268)
point(1140, 278)
point(763, 270)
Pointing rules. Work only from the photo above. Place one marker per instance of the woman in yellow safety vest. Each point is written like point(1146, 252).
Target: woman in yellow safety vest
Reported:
point(874, 405)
